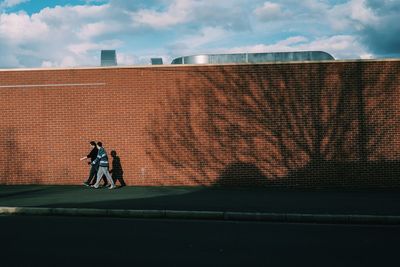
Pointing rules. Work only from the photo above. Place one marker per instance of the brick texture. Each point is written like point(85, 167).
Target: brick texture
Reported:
point(315, 124)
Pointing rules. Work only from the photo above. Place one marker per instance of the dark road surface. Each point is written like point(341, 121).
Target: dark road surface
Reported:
point(76, 241)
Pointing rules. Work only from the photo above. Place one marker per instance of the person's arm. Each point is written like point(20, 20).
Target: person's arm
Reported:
point(96, 160)
point(89, 156)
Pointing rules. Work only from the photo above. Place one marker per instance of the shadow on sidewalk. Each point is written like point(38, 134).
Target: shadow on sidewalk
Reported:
point(257, 200)
point(24, 193)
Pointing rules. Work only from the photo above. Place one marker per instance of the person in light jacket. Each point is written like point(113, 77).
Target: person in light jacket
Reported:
point(102, 160)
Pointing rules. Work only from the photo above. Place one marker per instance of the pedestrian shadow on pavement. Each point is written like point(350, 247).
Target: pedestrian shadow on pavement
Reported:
point(21, 193)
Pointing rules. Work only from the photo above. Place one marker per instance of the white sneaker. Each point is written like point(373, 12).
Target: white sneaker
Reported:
point(95, 187)
point(111, 186)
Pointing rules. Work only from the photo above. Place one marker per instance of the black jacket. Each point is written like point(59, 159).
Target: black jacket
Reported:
point(93, 154)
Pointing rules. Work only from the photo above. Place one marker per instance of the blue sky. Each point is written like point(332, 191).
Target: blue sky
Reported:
point(60, 33)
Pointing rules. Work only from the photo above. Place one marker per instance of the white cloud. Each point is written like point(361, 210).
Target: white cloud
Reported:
point(178, 12)
point(47, 64)
point(293, 40)
point(19, 27)
point(360, 12)
point(197, 43)
point(269, 11)
point(340, 46)
point(83, 48)
point(69, 16)
point(60, 36)
point(192, 14)
point(205, 36)
point(352, 15)
point(96, 29)
point(68, 61)
point(11, 3)
point(126, 59)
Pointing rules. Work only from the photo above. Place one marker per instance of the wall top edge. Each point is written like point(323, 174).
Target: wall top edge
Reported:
point(199, 65)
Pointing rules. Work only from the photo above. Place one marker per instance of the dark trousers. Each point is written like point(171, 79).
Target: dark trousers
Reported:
point(118, 176)
point(93, 175)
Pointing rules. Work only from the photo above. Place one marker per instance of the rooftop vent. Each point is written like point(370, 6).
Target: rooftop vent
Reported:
point(156, 61)
point(108, 58)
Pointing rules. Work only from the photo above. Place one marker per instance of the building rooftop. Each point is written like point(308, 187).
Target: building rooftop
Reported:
point(253, 57)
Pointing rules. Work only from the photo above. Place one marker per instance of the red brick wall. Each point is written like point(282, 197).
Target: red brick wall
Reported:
point(293, 124)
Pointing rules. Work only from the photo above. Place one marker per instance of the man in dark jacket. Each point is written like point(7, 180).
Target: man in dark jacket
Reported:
point(117, 172)
point(93, 168)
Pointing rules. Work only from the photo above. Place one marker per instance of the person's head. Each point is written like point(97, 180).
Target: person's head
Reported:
point(113, 153)
point(93, 143)
point(99, 144)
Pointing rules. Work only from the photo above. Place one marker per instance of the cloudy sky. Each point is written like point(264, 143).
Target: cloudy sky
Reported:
point(59, 33)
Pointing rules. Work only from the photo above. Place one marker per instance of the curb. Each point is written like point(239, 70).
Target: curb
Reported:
point(205, 215)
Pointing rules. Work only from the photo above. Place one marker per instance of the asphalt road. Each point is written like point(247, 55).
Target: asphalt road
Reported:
point(76, 241)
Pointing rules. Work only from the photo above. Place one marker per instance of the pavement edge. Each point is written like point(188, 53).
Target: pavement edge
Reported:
point(205, 215)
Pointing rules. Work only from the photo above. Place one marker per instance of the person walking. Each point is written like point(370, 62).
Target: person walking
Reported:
point(117, 172)
point(102, 160)
point(93, 168)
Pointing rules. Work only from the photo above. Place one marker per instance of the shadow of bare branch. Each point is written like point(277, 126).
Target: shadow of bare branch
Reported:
point(279, 124)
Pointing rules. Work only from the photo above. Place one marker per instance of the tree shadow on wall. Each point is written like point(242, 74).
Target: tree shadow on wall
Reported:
point(241, 174)
point(354, 174)
point(322, 174)
point(281, 125)
point(13, 158)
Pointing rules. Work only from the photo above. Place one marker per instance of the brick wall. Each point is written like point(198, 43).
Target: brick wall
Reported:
point(318, 124)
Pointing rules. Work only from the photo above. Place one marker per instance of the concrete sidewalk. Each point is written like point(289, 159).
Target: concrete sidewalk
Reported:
point(204, 203)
